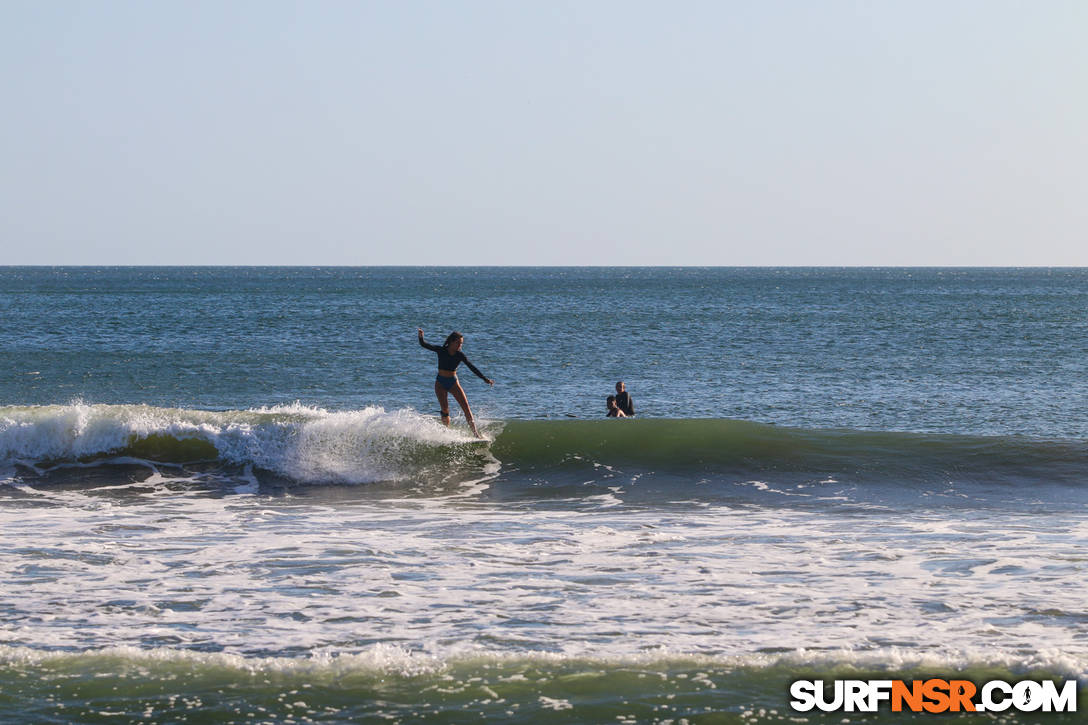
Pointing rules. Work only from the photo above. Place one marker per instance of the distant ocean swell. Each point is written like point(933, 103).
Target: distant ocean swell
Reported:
point(386, 683)
point(311, 445)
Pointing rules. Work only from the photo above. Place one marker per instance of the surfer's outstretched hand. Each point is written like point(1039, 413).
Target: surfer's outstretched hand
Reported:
point(490, 382)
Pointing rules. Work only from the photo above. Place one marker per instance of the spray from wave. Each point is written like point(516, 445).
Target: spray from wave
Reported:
point(301, 443)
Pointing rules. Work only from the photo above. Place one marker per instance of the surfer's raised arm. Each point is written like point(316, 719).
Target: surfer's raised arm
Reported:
point(432, 348)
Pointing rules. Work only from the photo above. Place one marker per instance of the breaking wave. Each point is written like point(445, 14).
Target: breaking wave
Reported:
point(308, 445)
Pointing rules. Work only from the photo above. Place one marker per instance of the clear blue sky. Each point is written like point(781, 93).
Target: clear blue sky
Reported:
point(590, 132)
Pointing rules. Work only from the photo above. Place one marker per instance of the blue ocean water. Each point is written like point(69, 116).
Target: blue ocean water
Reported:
point(991, 351)
point(226, 496)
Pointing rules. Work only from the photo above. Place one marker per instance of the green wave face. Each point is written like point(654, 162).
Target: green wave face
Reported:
point(708, 444)
point(125, 685)
point(170, 449)
point(311, 445)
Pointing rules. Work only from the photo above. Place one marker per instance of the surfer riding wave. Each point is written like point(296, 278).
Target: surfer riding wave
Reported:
point(449, 357)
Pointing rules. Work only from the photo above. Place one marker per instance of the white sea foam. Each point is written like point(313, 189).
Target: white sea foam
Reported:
point(455, 576)
point(303, 443)
point(386, 659)
point(379, 658)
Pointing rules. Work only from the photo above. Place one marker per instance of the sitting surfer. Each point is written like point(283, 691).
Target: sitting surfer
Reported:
point(623, 399)
point(449, 357)
point(614, 411)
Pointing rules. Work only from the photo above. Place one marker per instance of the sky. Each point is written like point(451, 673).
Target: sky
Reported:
point(769, 132)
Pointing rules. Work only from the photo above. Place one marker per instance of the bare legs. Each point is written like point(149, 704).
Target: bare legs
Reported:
point(443, 402)
point(458, 395)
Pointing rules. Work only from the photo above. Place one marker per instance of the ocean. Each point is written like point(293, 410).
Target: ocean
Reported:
point(226, 497)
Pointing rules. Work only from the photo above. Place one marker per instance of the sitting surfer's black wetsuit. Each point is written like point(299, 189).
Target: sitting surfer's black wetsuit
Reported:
point(449, 362)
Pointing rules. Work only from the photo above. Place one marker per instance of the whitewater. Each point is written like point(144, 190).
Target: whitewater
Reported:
point(193, 530)
point(378, 542)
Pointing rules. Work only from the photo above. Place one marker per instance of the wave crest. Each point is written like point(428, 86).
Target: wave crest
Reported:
point(303, 443)
point(310, 445)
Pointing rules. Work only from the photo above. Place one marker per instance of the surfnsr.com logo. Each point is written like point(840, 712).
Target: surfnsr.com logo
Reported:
point(933, 695)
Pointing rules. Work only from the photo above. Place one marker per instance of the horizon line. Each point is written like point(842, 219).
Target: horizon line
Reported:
point(544, 266)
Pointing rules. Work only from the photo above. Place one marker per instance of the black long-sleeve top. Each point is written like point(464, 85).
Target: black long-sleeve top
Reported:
point(450, 362)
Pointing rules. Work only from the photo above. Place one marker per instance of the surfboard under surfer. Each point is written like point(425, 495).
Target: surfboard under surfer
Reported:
point(449, 357)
